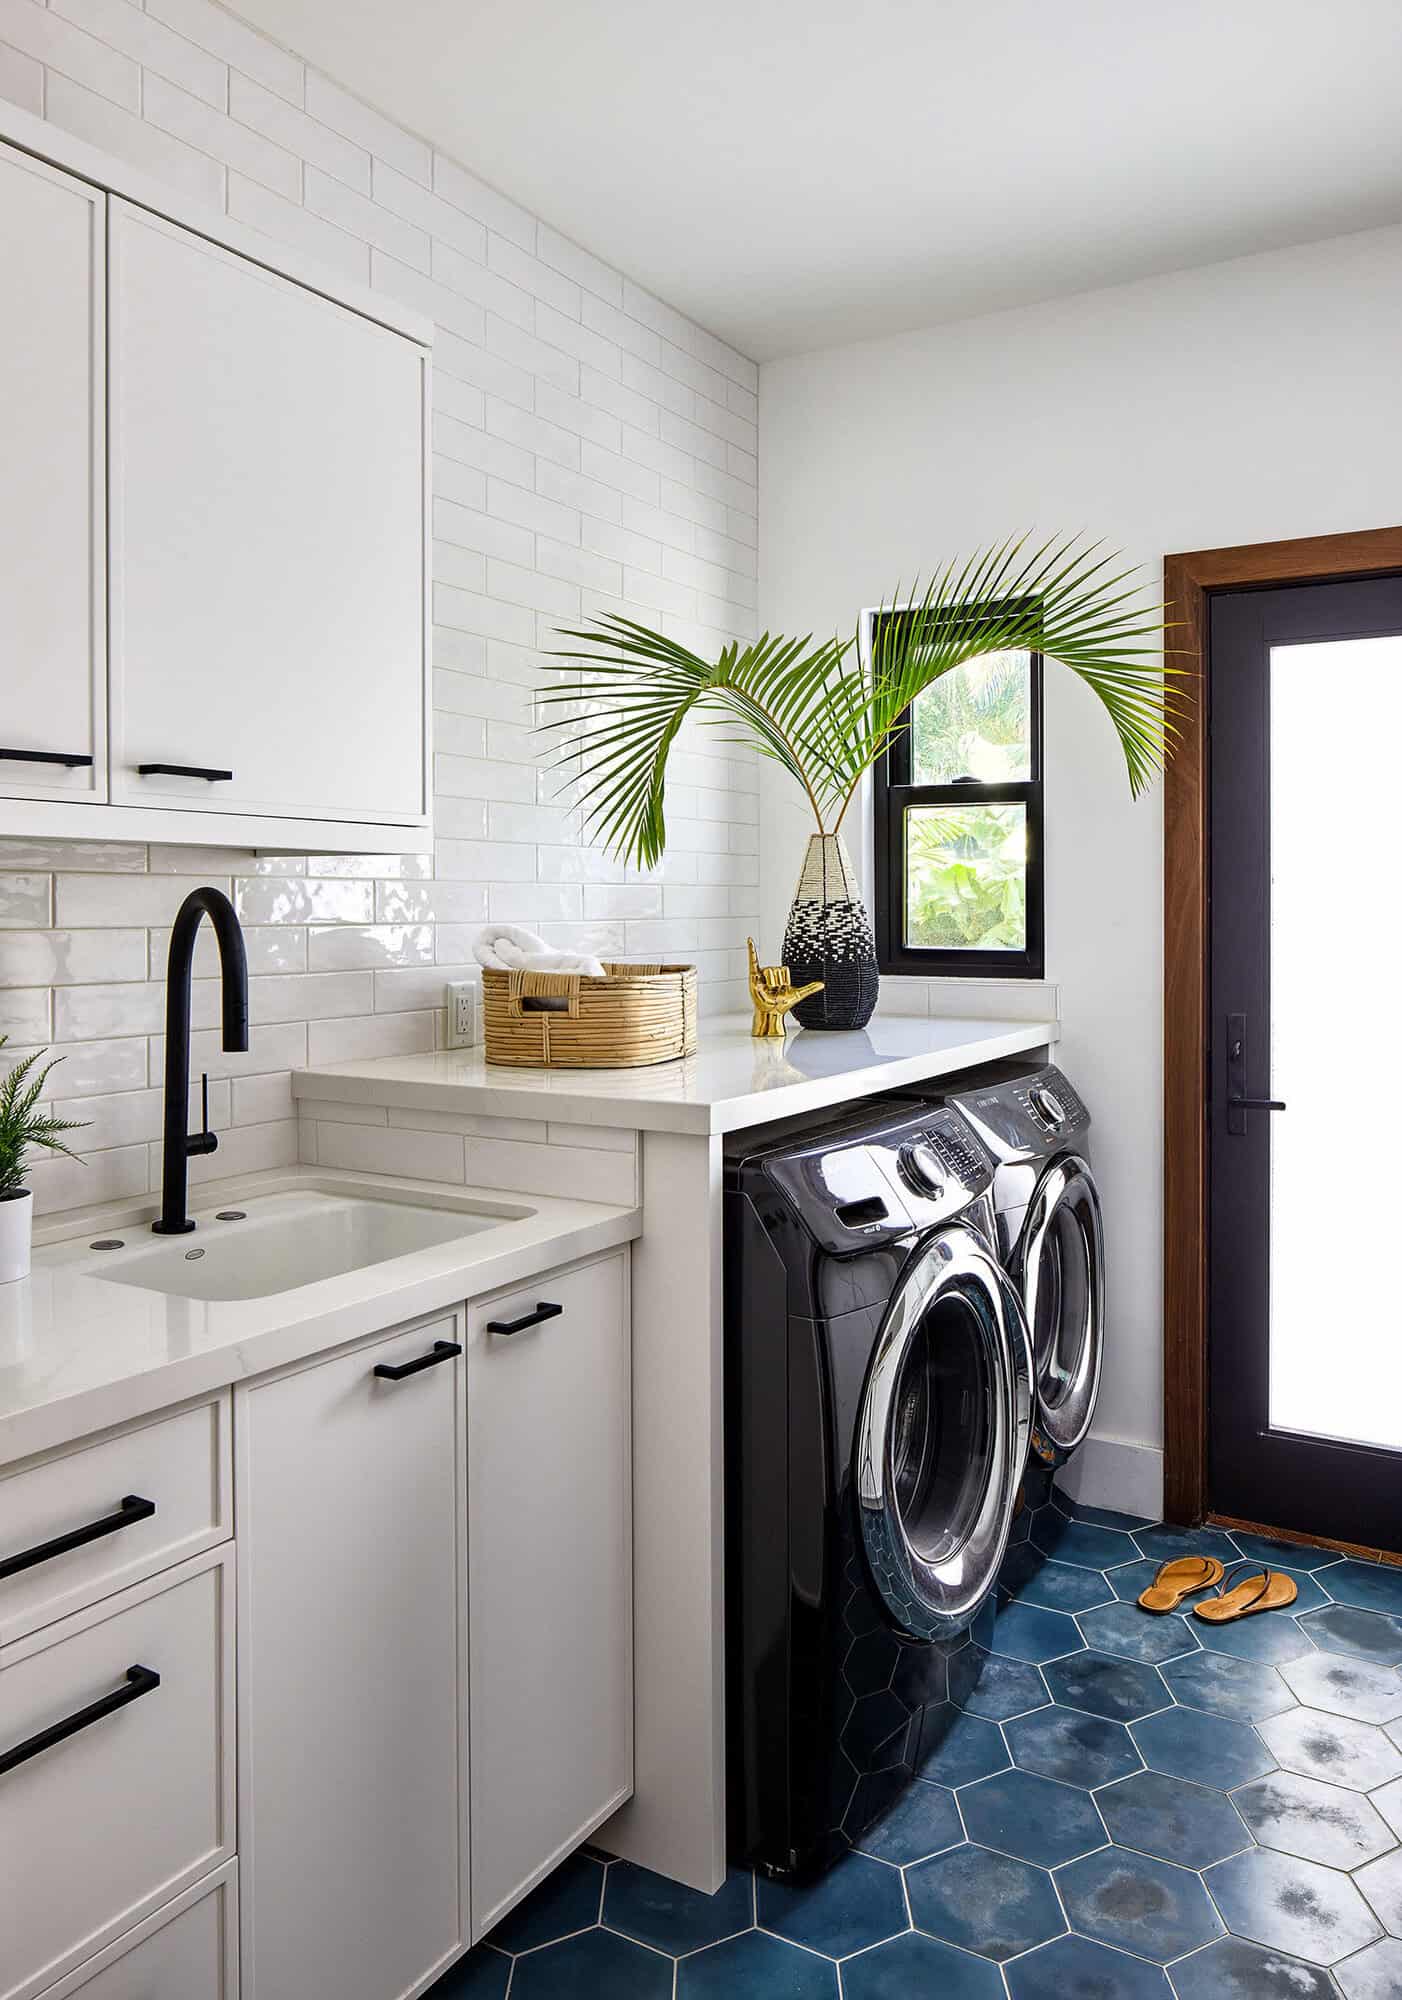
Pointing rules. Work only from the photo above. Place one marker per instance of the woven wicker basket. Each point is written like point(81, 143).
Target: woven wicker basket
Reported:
point(556, 1020)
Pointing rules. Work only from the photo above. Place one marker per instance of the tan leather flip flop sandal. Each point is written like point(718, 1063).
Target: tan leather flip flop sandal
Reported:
point(1179, 1579)
point(1261, 1590)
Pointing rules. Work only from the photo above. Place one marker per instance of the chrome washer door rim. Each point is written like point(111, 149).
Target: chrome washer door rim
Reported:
point(1067, 1188)
point(940, 1599)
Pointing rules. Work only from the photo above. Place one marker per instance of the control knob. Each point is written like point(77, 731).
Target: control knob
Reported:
point(923, 1167)
point(1047, 1105)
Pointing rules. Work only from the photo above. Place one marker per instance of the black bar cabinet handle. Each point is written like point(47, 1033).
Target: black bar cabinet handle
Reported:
point(138, 1681)
point(183, 771)
point(70, 759)
point(544, 1310)
point(132, 1508)
point(443, 1350)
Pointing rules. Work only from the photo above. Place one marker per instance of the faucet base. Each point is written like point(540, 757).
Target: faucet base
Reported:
point(171, 1228)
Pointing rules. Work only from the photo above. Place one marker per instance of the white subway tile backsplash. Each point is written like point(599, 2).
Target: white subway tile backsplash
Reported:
point(429, 1156)
point(594, 453)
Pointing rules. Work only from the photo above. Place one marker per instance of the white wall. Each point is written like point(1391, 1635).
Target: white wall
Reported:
point(1244, 402)
point(593, 451)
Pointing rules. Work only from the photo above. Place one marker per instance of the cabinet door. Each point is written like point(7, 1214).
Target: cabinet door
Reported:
point(352, 1727)
point(101, 1826)
point(187, 1951)
point(551, 1608)
point(53, 663)
point(267, 504)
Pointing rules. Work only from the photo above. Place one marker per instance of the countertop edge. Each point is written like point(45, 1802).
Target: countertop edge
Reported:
point(87, 1412)
point(500, 1095)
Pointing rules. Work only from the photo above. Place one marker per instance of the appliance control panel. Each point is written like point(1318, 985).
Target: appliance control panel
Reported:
point(855, 1190)
point(1039, 1112)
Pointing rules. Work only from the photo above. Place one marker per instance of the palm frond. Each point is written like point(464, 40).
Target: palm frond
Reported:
point(826, 710)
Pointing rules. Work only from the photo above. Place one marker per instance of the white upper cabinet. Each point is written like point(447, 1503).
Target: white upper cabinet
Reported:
point(266, 495)
point(52, 536)
point(213, 508)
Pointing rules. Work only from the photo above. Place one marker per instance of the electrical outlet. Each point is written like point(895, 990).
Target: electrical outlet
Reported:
point(464, 1014)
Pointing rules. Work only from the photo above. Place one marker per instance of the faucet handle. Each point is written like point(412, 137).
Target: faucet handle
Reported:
point(204, 1100)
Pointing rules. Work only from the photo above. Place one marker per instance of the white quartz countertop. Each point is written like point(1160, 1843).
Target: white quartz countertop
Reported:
point(78, 1353)
point(731, 1082)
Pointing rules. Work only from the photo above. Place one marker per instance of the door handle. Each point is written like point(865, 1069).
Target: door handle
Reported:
point(132, 1508)
point(1238, 1103)
point(442, 1350)
point(184, 771)
point(544, 1310)
point(137, 1681)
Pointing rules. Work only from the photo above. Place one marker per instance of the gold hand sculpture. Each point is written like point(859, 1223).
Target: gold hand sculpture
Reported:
point(773, 995)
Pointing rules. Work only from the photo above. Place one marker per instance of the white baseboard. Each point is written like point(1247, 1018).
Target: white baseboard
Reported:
point(1108, 1472)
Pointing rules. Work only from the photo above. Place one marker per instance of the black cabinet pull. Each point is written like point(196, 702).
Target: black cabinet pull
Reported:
point(544, 1310)
point(183, 771)
point(65, 757)
point(139, 1681)
point(443, 1350)
point(132, 1508)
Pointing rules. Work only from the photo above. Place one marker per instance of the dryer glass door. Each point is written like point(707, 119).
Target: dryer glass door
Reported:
point(942, 1435)
point(1060, 1264)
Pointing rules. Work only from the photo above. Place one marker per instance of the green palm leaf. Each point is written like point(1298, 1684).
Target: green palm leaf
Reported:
point(826, 710)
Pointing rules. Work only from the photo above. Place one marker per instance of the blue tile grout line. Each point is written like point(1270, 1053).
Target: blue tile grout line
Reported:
point(1226, 1823)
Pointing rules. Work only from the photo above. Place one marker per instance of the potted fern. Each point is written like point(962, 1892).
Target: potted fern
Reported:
point(826, 711)
point(23, 1125)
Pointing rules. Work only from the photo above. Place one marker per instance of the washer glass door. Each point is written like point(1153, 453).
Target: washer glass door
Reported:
point(1060, 1265)
point(942, 1435)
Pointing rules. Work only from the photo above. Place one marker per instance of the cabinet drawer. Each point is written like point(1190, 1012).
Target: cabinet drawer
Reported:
point(99, 1829)
point(178, 1465)
point(187, 1951)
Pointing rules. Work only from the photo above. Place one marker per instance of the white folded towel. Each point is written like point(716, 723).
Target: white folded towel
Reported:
point(510, 948)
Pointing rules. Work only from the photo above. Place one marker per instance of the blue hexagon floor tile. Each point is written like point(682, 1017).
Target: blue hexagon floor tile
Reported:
point(1292, 1906)
point(956, 1748)
point(923, 1821)
point(1172, 1819)
point(1343, 1628)
point(1138, 1904)
point(753, 1966)
point(653, 1910)
point(1178, 1778)
point(1375, 1974)
point(1343, 1686)
point(1075, 1968)
point(1316, 1821)
point(1137, 1635)
point(985, 1903)
point(1077, 1749)
point(1208, 1749)
point(1240, 1688)
point(1031, 1633)
point(1104, 1684)
point(916, 1964)
point(590, 1965)
point(1004, 1688)
point(1232, 1969)
point(1034, 1818)
point(859, 1902)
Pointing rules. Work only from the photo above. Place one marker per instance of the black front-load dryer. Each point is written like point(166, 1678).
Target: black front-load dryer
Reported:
point(878, 1404)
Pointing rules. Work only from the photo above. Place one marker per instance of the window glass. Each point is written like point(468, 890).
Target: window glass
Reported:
point(975, 722)
point(966, 877)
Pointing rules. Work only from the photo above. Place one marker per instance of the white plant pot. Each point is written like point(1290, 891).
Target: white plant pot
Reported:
point(16, 1234)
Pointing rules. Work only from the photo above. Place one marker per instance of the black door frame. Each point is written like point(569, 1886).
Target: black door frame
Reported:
point(1297, 1481)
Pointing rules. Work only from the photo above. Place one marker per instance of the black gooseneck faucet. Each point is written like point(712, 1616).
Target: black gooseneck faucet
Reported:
point(180, 1142)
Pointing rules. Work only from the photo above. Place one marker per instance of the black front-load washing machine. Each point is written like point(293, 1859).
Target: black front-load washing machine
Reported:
point(878, 1406)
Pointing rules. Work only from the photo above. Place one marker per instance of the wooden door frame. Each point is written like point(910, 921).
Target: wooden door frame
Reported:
point(1188, 579)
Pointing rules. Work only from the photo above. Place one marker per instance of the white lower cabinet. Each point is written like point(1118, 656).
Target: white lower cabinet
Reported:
point(351, 1524)
point(550, 1514)
point(116, 1768)
point(187, 1951)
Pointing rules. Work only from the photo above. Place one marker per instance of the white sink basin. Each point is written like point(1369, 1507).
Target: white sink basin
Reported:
point(277, 1242)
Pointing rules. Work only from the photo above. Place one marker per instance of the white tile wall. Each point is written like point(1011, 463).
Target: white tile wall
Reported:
point(594, 451)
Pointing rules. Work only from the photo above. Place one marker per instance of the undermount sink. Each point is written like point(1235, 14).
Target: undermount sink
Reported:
point(277, 1242)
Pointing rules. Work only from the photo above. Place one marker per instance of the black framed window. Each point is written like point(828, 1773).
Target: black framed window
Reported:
point(959, 825)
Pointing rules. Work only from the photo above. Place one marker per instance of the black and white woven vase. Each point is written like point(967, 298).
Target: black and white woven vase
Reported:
point(829, 937)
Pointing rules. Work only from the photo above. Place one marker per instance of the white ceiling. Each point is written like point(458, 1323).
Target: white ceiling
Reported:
point(794, 173)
